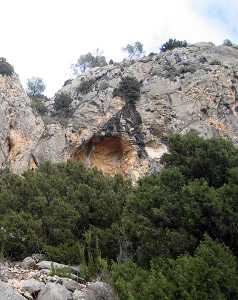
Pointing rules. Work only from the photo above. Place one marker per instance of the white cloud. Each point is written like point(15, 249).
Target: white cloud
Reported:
point(42, 38)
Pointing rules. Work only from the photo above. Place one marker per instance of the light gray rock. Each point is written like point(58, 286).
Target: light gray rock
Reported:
point(76, 269)
point(101, 290)
point(8, 293)
point(95, 291)
point(32, 286)
point(54, 291)
point(45, 264)
point(71, 285)
point(28, 262)
point(81, 295)
point(187, 89)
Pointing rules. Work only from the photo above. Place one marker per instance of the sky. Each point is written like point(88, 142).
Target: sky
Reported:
point(42, 38)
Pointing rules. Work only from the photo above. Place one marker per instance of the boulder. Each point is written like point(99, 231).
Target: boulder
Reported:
point(101, 290)
point(54, 291)
point(95, 291)
point(28, 262)
point(71, 285)
point(81, 295)
point(8, 293)
point(32, 286)
point(45, 264)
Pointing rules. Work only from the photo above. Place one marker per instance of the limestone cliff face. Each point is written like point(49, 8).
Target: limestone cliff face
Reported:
point(187, 89)
point(20, 129)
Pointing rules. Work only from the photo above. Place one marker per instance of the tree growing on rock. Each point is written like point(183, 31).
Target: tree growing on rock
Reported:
point(5, 68)
point(129, 89)
point(172, 44)
point(134, 50)
point(228, 43)
point(35, 87)
point(62, 104)
point(87, 61)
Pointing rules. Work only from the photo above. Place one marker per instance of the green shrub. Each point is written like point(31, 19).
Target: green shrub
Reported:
point(210, 274)
point(62, 104)
point(172, 44)
point(76, 215)
point(85, 86)
point(64, 272)
point(228, 43)
point(129, 89)
point(6, 68)
point(67, 253)
point(37, 104)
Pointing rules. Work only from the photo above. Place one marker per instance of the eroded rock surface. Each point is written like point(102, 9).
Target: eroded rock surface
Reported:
point(187, 89)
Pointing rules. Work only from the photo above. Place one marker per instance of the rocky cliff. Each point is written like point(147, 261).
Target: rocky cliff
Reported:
point(187, 89)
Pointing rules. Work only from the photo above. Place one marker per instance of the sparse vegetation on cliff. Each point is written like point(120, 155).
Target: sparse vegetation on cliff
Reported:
point(5, 68)
point(87, 61)
point(85, 86)
point(129, 89)
point(38, 104)
point(172, 44)
point(62, 104)
point(134, 50)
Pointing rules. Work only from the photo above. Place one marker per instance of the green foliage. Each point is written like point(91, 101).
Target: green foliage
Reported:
point(51, 210)
point(92, 265)
point(172, 44)
point(87, 61)
point(62, 104)
point(85, 86)
point(210, 274)
point(64, 272)
point(21, 234)
point(35, 86)
point(5, 67)
point(134, 50)
point(174, 236)
point(199, 158)
point(129, 89)
point(38, 105)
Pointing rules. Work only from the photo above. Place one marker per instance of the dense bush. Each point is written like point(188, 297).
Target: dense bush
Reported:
point(38, 105)
point(228, 43)
point(85, 86)
point(61, 203)
point(210, 274)
point(129, 89)
point(6, 68)
point(172, 44)
point(174, 236)
point(62, 104)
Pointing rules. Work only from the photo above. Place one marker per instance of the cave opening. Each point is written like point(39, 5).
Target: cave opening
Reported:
point(112, 155)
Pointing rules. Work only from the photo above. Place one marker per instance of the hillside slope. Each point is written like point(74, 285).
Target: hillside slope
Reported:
point(187, 89)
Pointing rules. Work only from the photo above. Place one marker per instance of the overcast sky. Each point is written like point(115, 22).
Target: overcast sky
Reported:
point(44, 37)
